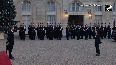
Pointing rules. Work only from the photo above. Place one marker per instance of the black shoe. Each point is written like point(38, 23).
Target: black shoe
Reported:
point(97, 54)
point(12, 58)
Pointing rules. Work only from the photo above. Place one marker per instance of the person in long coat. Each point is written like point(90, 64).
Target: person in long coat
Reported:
point(97, 42)
point(10, 42)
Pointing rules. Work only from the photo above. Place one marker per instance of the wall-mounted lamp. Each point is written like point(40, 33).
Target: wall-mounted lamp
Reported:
point(90, 14)
point(66, 14)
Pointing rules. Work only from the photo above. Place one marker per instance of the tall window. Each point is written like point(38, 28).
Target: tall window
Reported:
point(50, 6)
point(75, 6)
point(51, 18)
point(114, 7)
point(26, 6)
point(98, 19)
point(98, 8)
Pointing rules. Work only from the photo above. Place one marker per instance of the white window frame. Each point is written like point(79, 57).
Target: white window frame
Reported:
point(26, 6)
point(114, 7)
point(98, 8)
point(75, 6)
point(50, 6)
point(51, 19)
point(98, 19)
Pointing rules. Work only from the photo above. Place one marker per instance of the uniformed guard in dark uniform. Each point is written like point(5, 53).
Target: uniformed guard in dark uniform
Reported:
point(109, 31)
point(90, 31)
point(98, 28)
point(105, 31)
point(22, 30)
point(42, 33)
point(60, 32)
point(55, 31)
point(93, 31)
point(101, 31)
point(82, 32)
point(51, 33)
point(38, 31)
point(86, 32)
point(67, 32)
point(74, 32)
point(78, 32)
point(71, 31)
point(33, 33)
point(29, 31)
point(114, 27)
point(47, 31)
point(30, 28)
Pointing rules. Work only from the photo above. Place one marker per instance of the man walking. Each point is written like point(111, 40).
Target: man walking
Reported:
point(10, 42)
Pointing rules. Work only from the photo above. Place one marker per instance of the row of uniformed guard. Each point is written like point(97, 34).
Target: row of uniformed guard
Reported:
point(88, 31)
point(55, 32)
point(50, 32)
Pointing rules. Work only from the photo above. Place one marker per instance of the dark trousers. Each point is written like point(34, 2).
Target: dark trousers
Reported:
point(89, 36)
point(81, 36)
point(115, 38)
point(33, 38)
point(67, 37)
point(10, 55)
point(86, 36)
point(29, 36)
point(38, 37)
point(22, 37)
point(73, 36)
point(109, 36)
point(47, 37)
point(102, 36)
point(41, 37)
point(77, 38)
point(105, 34)
point(93, 36)
point(51, 38)
point(97, 50)
point(59, 37)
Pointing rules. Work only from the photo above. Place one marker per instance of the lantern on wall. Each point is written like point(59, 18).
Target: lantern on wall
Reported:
point(66, 14)
point(90, 14)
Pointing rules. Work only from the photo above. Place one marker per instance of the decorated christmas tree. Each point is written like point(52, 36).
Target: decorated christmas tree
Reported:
point(7, 15)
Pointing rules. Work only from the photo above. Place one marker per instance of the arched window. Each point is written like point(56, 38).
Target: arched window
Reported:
point(75, 6)
point(26, 6)
point(50, 6)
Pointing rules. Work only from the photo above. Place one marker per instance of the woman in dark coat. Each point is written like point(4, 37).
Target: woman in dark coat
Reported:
point(97, 42)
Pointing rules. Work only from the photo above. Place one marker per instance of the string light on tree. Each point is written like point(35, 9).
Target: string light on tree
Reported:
point(7, 14)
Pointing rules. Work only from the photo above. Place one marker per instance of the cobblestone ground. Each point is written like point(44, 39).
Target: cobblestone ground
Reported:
point(64, 52)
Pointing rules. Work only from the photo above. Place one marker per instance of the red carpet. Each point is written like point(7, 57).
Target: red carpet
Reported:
point(4, 60)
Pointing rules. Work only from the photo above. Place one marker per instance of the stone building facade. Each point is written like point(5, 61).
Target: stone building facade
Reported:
point(64, 11)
